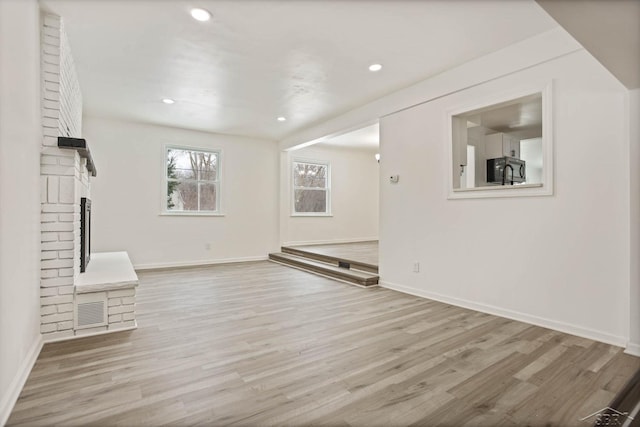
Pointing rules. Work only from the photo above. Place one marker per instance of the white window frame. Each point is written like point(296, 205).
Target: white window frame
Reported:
point(218, 182)
point(543, 189)
point(327, 187)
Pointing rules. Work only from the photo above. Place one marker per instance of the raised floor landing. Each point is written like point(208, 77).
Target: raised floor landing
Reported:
point(364, 252)
point(355, 263)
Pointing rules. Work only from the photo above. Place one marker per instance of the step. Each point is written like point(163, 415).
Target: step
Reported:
point(357, 265)
point(352, 276)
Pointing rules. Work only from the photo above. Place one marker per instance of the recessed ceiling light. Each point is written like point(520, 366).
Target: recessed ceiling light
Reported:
point(168, 101)
point(200, 14)
point(375, 67)
point(282, 119)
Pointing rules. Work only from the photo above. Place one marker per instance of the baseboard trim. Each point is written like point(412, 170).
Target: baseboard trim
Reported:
point(187, 264)
point(633, 349)
point(513, 315)
point(17, 384)
point(93, 334)
point(331, 242)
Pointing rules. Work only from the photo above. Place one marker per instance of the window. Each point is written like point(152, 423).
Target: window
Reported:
point(311, 185)
point(192, 180)
point(502, 147)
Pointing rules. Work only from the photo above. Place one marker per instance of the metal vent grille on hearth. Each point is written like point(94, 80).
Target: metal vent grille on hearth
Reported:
point(90, 313)
point(91, 310)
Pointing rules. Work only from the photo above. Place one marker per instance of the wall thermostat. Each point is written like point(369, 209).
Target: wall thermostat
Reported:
point(394, 178)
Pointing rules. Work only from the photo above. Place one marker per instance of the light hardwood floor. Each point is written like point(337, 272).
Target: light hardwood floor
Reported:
point(262, 344)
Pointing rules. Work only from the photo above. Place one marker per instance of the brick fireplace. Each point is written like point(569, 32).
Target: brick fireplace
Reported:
point(65, 171)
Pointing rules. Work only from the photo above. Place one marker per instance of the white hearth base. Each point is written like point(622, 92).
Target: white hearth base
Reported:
point(104, 296)
point(107, 271)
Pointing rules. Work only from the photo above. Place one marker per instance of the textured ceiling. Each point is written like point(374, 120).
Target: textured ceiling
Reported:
point(257, 60)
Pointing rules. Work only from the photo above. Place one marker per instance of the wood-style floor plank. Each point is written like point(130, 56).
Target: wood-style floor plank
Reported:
point(262, 344)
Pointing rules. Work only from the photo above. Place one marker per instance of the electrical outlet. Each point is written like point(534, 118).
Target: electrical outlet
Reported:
point(416, 267)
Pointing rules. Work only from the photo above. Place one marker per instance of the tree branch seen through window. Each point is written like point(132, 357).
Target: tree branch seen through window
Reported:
point(310, 188)
point(192, 180)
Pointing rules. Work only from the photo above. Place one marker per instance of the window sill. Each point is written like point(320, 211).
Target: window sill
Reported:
point(524, 190)
point(313, 215)
point(191, 214)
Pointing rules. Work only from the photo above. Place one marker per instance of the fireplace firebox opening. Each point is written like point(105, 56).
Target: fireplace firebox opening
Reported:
point(85, 233)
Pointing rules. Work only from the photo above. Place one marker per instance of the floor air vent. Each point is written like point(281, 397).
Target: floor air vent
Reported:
point(91, 310)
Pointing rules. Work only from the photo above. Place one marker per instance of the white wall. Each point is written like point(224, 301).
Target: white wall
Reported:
point(127, 193)
point(354, 198)
point(20, 137)
point(634, 162)
point(561, 261)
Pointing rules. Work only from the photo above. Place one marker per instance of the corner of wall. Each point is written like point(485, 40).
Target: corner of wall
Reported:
point(633, 349)
point(20, 137)
point(634, 230)
point(11, 396)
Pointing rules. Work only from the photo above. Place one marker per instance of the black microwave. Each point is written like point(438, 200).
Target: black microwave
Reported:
point(515, 171)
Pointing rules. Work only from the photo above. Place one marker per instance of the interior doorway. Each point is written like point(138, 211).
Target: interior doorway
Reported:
point(350, 161)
